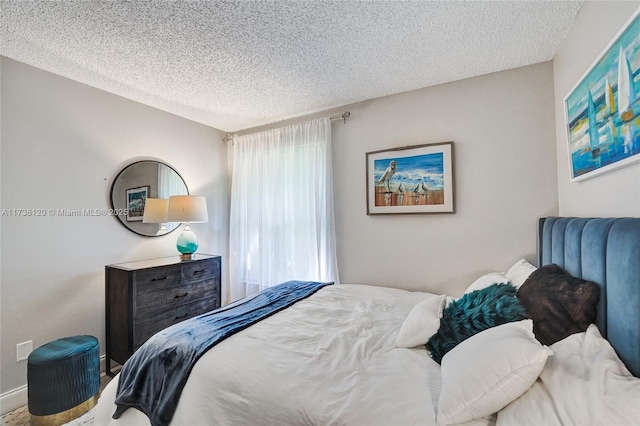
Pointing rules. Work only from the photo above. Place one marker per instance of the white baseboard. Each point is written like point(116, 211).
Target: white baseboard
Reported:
point(13, 399)
point(18, 397)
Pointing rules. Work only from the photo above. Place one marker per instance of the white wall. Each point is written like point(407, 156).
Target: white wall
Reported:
point(616, 193)
point(62, 143)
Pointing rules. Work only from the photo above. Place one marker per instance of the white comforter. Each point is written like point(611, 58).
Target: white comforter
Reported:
point(328, 359)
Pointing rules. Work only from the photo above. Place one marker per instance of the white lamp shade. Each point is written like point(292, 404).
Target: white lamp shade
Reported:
point(188, 208)
point(155, 210)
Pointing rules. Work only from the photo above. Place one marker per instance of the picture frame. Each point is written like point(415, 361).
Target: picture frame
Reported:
point(602, 111)
point(414, 179)
point(136, 199)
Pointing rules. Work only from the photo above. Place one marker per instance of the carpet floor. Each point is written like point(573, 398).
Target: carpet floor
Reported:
point(21, 417)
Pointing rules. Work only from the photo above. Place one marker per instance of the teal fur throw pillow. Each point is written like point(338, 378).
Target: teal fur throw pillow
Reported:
point(472, 313)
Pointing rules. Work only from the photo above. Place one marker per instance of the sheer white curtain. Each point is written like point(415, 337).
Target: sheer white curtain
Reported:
point(282, 222)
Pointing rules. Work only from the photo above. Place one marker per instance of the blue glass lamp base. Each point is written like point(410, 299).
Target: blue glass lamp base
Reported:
point(187, 243)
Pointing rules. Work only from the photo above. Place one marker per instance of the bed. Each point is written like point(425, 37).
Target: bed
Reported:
point(355, 354)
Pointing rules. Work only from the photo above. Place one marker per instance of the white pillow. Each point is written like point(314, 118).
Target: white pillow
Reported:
point(487, 280)
point(584, 383)
point(519, 272)
point(449, 300)
point(489, 370)
point(422, 322)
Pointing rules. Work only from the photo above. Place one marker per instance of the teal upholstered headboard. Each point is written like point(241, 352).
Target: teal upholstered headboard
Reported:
point(607, 252)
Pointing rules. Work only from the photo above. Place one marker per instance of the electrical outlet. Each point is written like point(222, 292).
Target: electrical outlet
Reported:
point(23, 350)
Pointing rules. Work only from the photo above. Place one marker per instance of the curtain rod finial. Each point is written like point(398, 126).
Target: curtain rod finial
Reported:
point(344, 116)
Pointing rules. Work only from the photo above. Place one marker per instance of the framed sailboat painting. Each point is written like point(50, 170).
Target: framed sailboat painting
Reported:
point(602, 111)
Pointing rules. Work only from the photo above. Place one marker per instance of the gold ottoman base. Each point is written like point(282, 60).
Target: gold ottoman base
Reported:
point(65, 416)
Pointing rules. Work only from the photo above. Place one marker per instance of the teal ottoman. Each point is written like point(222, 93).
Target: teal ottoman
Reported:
point(63, 379)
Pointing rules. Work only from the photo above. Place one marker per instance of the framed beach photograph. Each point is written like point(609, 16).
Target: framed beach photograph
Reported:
point(136, 198)
point(602, 111)
point(412, 179)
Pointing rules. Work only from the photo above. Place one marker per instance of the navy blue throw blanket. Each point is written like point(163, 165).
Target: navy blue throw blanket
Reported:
point(152, 380)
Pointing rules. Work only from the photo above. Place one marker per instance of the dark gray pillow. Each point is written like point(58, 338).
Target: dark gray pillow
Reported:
point(558, 303)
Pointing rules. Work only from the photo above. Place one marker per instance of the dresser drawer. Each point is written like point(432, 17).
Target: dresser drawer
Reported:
point(147, 327)
point(200, 270)
point(157, 279)
point(151, 303)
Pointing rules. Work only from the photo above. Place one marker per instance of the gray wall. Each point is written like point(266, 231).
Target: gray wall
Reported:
point(62, 143)
point(502, 125)
point(616, 193)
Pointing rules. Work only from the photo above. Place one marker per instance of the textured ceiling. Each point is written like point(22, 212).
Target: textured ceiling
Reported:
point(240, 64)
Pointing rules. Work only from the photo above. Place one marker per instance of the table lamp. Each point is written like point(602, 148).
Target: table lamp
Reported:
point(188, 209)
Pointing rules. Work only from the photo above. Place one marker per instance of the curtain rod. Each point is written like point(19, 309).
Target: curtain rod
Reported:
point(343, 116)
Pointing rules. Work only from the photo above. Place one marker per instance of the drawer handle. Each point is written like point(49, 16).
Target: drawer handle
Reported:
point(180, 316)
point(181, 295)
point(159, 279)
point(201, 271)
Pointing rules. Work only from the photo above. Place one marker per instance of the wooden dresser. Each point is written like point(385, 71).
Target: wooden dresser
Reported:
point(142, 298)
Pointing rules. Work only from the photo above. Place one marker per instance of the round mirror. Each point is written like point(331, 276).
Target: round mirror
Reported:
point(137, 182)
